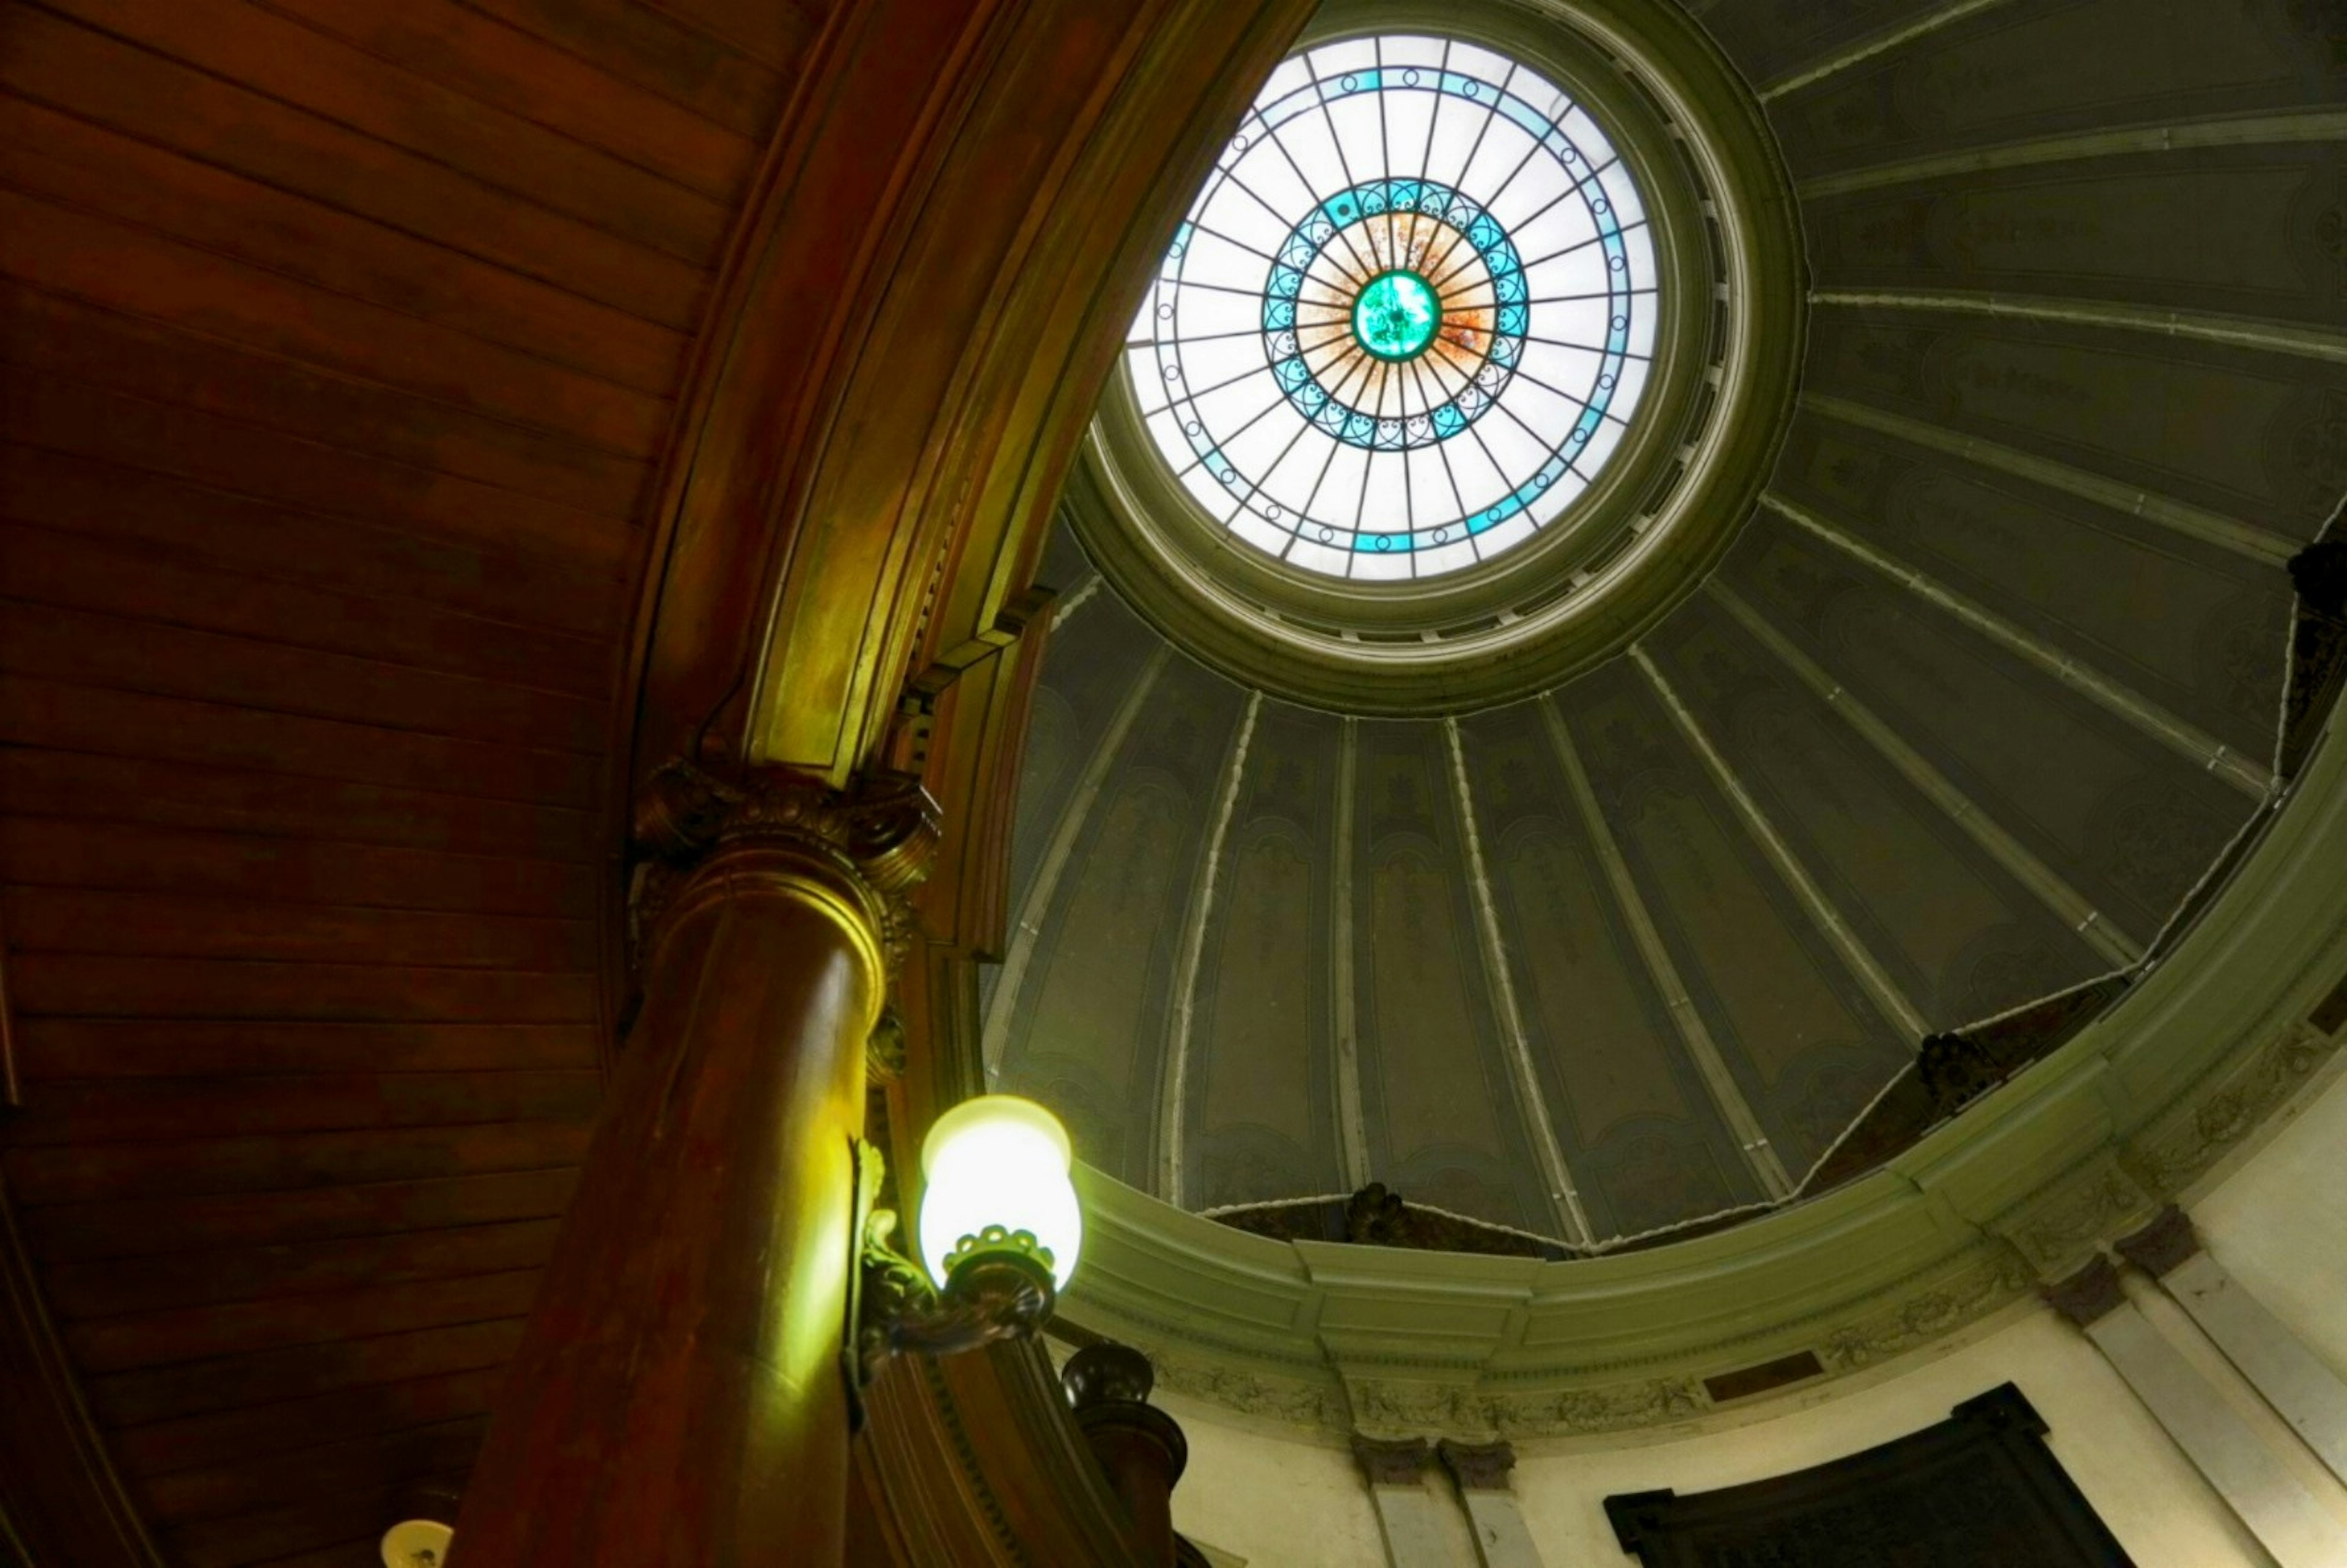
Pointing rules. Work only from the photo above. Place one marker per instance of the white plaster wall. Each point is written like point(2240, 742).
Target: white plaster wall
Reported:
point(1270, 1501)
point(2279, 1224)
point(2147, 1493)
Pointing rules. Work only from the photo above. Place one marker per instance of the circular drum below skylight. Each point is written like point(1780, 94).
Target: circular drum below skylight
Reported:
point(1410, 318)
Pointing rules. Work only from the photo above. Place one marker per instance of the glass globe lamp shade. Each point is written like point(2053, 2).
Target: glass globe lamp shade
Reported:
point(995, 1178)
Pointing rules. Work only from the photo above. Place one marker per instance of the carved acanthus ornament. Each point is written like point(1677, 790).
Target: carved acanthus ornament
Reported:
point(2167, 1243)
point(2176, 1154)
point(1390, 1462)
point(1476, 1466)
point(703, 834)
point(1998, 1278)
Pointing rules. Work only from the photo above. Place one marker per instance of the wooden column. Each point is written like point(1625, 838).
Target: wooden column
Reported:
point(678, 1399)
point(1140, 1449)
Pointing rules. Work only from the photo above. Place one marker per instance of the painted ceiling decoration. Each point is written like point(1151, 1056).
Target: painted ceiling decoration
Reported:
point(1986, 690)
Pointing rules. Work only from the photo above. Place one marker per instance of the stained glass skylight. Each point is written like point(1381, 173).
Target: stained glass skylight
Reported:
point(1409, 316)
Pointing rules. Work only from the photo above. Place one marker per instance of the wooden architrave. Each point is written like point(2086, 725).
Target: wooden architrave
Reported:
point(879, 420)
point(881, 414)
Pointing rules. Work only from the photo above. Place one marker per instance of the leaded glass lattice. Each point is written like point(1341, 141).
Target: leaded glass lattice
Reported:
point(1409, 316)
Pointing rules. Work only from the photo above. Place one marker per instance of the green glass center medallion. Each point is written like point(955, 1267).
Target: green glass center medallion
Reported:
point(1397, 315)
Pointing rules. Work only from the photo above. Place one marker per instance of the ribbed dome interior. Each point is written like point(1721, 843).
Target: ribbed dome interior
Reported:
point(1979, 699)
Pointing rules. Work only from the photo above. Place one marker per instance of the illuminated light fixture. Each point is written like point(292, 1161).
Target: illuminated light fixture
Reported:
point(416, 1543)
point(999, 1226)
point(994, 1174)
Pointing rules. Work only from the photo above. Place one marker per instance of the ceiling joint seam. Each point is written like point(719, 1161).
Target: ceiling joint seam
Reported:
point(2249, 539)
point(1711, 1067)
point(1352, 1120)
point(2323, 125)
point(2254, 332)
point(1036, 906)
point(1881, 44)
point(2073, 908)
point(1172, 1106)
point(2187, 741)
point(1533, 1108)
point(1863, 966)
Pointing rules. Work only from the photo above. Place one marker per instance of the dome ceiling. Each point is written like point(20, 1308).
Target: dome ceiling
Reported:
point(1980, 696)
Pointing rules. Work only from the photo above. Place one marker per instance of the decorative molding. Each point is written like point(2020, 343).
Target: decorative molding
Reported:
point(1616, 1407)
point(2079, 1216)
point(1476, 1466)
point(1398, 1405)
point(1997, 1278)
point(2184, 1145)
point(2091, 1294)
point(1287, 1402)
point(2167, 1243)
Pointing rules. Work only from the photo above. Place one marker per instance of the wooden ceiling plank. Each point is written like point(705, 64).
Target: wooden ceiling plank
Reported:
point(227, 1490)
point(238, 1382)
point(301, 66)
point(100, 1112)
point(82, 986)
point(86, 648)
point(515, 71)
point(274, 807)
point(160, 1226)
point(148, 925)
point(148, 97)
point(639, 45)
point(73, 340)
point(776, 32)
point(57, 156)
point(72, 572)
point(140, 435)
point(62, 852)
point(366, 1552)
point(72, 716)
point(286, 1161)
point(116, 1286)
point(175, 520)
point(72, 1051)
point(139, 272)
point(261, 1433)
point(181, 1335)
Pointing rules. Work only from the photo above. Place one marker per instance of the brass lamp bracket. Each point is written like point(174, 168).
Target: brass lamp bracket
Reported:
point(996, 1289)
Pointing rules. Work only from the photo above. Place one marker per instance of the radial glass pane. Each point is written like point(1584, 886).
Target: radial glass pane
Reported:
point(1407, 317)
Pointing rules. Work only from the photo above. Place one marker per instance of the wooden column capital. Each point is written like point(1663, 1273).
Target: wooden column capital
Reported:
point(707, 836)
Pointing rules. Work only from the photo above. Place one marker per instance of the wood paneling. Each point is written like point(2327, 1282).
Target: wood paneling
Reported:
point(339, 345)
